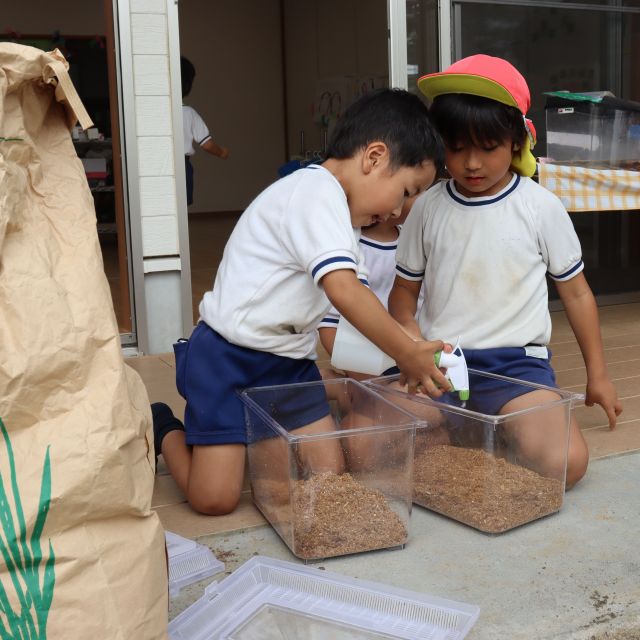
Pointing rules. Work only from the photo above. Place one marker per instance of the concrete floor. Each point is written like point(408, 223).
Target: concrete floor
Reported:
point(573, 575)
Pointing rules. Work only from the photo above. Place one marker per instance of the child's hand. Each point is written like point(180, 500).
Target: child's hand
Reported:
point(603, 392)
point(418, 369)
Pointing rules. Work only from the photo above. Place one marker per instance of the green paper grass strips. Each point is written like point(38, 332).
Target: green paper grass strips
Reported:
point(22, 557)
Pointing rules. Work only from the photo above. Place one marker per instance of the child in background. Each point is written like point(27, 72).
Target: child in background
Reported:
point(293, 253)
point(194, 128)
point(378, 245)
point(484, 242)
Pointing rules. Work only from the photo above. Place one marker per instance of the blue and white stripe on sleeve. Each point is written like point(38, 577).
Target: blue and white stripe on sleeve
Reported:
point(569, 273)
point(330, 321)
point(409, 275)
point(327, 263)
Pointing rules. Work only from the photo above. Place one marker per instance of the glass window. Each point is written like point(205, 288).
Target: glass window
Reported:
point(555, 49)
point(574, 49)
point(422, 40)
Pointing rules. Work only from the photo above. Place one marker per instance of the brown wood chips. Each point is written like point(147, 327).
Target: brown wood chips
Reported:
point(335, 515)
point(485, 492)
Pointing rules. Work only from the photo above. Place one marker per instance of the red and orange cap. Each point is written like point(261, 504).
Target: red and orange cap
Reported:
point(493, 78)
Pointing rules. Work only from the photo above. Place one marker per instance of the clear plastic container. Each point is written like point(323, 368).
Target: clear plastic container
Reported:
point(490, 471)
point(268, 599)
point(602, 134)
point(189, 562)
point(330, 465)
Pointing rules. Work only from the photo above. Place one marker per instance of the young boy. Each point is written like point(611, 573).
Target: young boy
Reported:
point(484, 242)
point(294, 253)
point(195, 131)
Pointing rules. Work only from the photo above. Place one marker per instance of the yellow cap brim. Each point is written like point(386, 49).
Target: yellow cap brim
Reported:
point(443, 83)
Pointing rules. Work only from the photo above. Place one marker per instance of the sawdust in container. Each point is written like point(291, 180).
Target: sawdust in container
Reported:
point(330, 465)
point(337, 515)
point(482, 490)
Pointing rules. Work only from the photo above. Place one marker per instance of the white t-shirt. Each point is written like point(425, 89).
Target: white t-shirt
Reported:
point(194, 129)
point(267, 294)
point(484, 262)
point(380, 259)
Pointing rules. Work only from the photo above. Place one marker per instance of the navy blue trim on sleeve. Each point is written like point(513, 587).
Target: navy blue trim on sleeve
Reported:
point(411, 274)
point(566, 274)
point(328, 261)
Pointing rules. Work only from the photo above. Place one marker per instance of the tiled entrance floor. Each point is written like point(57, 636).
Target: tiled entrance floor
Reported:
point(621, 336)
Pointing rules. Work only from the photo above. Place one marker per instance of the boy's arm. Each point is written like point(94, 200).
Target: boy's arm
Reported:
point(582, 312)
point(215, 149)
point(365, 312)
point(403, 303)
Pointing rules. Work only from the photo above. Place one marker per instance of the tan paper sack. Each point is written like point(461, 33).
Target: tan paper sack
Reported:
point(81, 553)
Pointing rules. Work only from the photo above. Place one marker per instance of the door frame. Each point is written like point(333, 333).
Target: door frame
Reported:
point(141, 318)
point(124, 243)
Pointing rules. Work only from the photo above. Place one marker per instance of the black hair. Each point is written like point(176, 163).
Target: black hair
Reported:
point(393, 116)
point(187, 74)
point(467, 119)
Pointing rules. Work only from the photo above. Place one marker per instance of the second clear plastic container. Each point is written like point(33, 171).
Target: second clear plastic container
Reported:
point(492, 472)
point(330, 465)
point(593, 134)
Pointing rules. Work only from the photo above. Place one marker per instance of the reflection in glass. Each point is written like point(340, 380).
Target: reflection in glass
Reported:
point(555, 49)
point(422, 40)
point(558, 48)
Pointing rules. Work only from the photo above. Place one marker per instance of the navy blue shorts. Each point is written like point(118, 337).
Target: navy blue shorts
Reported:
point(488, 395)
point(188, 175)
point(210, 371)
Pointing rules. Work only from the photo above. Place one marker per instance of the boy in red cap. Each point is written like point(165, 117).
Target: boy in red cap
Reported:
point(484, 242)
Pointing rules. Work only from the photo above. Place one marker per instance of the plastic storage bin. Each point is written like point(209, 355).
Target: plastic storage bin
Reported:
point(268, 599)
point(603, 134)
point(189, 562)
point(492, 472)
point(330, 465)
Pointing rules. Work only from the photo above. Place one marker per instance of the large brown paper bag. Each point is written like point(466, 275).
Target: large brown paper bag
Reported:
point(81, 552)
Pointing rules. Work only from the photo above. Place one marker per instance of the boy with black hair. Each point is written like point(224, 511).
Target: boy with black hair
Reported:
point(293, 253)
point(194, 128)
point(483, 243)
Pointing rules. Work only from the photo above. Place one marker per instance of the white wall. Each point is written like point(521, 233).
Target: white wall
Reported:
point(235, 47)
point(155, 170)
point(326, 40)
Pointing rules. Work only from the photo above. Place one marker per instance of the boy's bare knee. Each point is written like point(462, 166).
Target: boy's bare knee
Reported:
point(577, 458)
point(215, 478)
point(215, 503)
point(577, 464)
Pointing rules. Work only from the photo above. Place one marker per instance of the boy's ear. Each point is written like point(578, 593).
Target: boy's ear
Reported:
point(374, 154)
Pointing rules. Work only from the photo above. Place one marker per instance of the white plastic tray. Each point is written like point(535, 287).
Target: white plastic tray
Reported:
point(268, 599)
point(188, 562)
